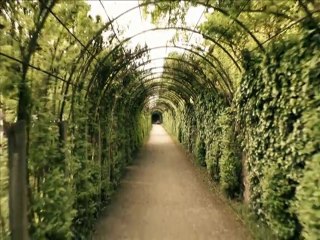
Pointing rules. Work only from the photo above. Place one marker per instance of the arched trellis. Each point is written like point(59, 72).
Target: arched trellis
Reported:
point(208, 6)
point(174, 82)
point(179, 80)
point(170, 97)
point(166, 101)
point(141, 89)
point(175, 93)
point(205, 36)
point(192, 51)
point(224, 12)
point(182, 80)
point(181, 91)
point(142, 51)
point(163, 104)
point(177, 60)
point(146, 73)
point(201, 3)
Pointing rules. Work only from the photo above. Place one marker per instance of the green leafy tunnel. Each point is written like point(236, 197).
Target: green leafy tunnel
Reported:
point(245, 101)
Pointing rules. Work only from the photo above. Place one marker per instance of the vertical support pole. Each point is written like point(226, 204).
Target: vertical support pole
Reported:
point(100, 162)
point(63, 126)
point(17, 142)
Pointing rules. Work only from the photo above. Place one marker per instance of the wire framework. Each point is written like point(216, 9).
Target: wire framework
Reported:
point(122, 64)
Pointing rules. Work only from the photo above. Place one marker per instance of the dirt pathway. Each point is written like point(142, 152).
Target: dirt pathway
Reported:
point(162, 198)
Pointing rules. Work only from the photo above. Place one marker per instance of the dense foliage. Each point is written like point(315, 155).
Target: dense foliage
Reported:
point(80, 138)
point(277, 104)
point(256, 128)
point(245, 102)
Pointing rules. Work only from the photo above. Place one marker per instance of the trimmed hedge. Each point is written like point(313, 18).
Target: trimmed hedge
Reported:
point(273, 126)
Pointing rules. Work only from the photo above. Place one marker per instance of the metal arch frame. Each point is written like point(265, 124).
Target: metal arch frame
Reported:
point(165, 103)
point(175, 96)
point(172, 83)
point(144, 76)
point(142, 89)
point(205, 36)
point(223, 11)
point(159, 47)
point(169, 99)
point(176, 82)
point(162, 106)
point(178, 96)
point(229, 82)
point(173, 59)
point(170, 96)
point(166, 76)
point(148, 75)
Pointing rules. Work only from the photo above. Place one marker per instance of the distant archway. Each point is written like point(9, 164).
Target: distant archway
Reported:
point(156, 117)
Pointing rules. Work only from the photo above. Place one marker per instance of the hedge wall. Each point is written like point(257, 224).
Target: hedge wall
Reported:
point(273, 125)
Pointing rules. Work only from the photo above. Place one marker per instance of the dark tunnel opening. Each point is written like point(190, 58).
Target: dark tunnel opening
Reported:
point(156, 118)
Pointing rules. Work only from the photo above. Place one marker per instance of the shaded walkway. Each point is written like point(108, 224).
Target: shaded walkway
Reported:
point(161, 197)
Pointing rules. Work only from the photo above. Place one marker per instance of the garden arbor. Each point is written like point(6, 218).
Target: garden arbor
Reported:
point(244, 101)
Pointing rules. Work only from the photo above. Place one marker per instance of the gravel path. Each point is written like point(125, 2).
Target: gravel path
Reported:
point(162, 198)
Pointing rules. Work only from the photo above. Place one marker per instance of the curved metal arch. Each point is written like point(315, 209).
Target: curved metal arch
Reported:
point(174, 83)
point(173, 59)
point(167, 100)
point(201, 3)
point(125, 64)
point(146, 73)
point(188, 89)
point(205, 36)
point(183, 94)
point(161, 107)
point(155, 110)
point(170, 99)
point(160, 47)
point(141, 52)
point(186, 73)
point(152, 90)
point(155, 88)
point(166, 77)
point(224, 12)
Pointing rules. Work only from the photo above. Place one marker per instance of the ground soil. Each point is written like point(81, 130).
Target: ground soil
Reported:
point(162, 198)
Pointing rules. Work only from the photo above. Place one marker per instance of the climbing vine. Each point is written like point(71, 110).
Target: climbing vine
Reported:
point(79, 138)
point(245, 103)
point(263, 142)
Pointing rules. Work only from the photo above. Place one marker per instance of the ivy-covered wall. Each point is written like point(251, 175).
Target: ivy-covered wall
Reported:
point(60, 77)
point(278, 111)
point(270, 129)
point(70, 185)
